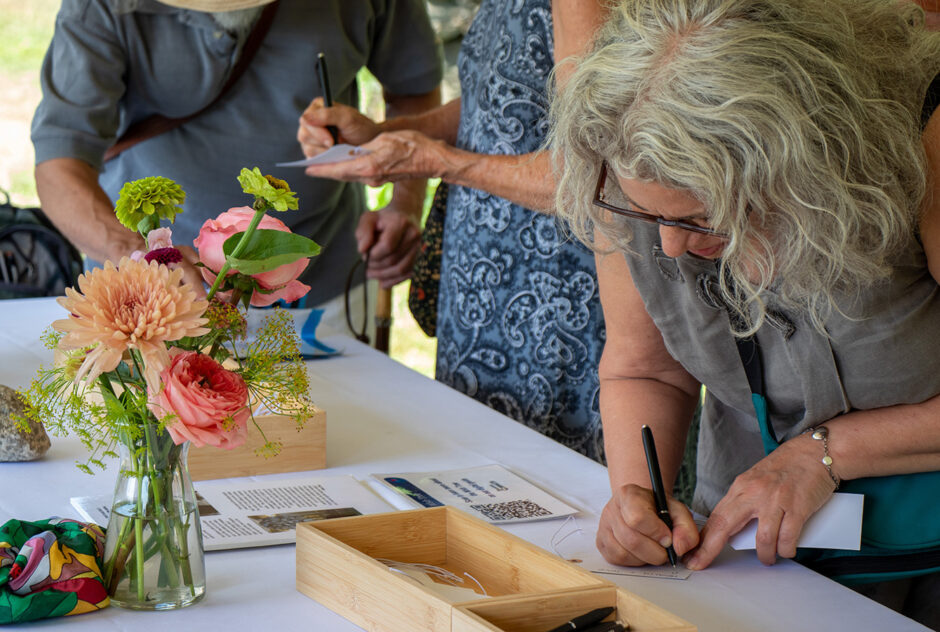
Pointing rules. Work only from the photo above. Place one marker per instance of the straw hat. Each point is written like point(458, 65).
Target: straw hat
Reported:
point(215, 5)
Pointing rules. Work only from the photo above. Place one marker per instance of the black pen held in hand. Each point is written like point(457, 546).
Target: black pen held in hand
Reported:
point(583, 621)
point(324, 76)
point(659, 491)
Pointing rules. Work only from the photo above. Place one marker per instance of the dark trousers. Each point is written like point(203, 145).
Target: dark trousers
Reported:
point(914, 597)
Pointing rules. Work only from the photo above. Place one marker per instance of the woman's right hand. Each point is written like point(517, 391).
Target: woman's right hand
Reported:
point(631, 533)
point(352, 126)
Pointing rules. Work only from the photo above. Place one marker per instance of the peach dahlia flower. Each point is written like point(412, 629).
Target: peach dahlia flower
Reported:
point(136, 305)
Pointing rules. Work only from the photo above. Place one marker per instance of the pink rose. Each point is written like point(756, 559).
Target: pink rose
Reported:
point(282, 279)
point(210, 402)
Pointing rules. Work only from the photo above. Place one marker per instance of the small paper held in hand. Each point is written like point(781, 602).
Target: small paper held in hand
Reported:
point(490, 492)
point(336, 153)
point(837, 525)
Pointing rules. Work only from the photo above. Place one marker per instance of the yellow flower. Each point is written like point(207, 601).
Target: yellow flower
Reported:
point(133, 306)
point(268, 190)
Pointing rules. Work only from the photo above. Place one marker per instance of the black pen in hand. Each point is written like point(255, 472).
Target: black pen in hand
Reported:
point(583, 621)
point(324, 76)
point(659, 491)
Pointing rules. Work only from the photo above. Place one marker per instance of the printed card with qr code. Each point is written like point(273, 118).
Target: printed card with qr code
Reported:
point(490, 492)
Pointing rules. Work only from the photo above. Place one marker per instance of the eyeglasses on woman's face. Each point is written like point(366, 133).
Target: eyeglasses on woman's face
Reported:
point(614, 200)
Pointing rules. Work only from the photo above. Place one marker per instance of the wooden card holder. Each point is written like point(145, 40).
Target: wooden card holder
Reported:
point(337, 565)
point(303, 449)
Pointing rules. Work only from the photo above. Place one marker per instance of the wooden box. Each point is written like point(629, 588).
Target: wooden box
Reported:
point(545, 612)
point(530, 590)
point(303, 449)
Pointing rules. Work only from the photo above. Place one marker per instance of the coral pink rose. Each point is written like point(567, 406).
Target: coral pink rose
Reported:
point(282, 279)
point(210, 402)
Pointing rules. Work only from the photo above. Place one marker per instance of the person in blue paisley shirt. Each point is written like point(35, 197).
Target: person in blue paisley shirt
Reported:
point(519, 321)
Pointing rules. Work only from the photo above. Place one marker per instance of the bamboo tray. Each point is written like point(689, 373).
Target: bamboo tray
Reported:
point(303, 450)
point(530, 589)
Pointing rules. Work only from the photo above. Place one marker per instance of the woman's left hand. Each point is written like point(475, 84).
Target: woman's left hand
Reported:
point(781, 491)
point(393, 156)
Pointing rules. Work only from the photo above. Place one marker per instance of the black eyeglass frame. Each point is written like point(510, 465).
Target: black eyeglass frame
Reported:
point(644, 217)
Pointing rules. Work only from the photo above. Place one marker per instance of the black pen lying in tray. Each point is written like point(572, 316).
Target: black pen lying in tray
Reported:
point(592, 621)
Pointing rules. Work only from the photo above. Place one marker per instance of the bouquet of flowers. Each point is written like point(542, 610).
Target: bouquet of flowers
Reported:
point(150, 367)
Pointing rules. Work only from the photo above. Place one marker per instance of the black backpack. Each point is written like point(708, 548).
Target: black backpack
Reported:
point(35, 258)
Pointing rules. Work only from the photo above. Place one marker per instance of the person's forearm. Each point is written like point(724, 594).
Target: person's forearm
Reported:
point(628, 404)
point(640, 382)
point(440, 123)
point(408, 197)
point(71, 197)
point(525, 180)
point(892, 440)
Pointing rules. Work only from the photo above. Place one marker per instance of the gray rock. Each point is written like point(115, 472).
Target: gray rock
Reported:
point(17, 444)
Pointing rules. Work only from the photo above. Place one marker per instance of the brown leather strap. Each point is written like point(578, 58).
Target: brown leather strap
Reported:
point(158, 124)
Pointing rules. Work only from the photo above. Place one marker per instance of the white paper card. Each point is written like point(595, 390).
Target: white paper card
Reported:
point(490, 492)
point(837, 525)
point(336, 153)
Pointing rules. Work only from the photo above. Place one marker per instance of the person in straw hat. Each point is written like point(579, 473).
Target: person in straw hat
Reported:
point(112, 63)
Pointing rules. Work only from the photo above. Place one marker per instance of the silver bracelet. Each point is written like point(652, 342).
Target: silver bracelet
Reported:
point(821, 433)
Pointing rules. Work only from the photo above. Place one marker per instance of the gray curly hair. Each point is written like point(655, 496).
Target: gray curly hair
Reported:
point(795, 122)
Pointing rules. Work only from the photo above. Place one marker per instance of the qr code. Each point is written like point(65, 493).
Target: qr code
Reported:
point(511, 510)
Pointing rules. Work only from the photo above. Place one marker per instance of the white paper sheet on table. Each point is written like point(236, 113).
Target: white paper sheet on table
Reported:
point(490, 492)
point(837, 525)
point(574, 541)
point(336, 153)
point(263, 511)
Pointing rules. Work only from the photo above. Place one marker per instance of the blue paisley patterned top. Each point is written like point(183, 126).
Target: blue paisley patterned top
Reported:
point(519, 320)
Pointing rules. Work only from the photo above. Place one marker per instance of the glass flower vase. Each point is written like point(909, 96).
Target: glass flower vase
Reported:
point(153, 556)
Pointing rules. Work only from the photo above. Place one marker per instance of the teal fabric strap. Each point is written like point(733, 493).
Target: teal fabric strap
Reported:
point(767, 435)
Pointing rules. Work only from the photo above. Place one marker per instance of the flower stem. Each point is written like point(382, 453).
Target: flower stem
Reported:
point(137, 362)
point(242, 244)
point(160, 511)
point(139, 529)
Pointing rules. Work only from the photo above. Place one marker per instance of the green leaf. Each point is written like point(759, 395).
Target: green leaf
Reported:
point(268, 249)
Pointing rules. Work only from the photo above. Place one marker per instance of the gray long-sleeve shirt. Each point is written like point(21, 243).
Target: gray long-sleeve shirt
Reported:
point(105, 70)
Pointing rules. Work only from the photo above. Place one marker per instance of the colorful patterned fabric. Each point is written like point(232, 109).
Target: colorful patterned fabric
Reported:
point(426, 276)
point(50, 568)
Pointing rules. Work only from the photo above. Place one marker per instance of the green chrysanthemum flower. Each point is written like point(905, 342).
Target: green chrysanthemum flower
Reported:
point(268, 188)
point(143, 203)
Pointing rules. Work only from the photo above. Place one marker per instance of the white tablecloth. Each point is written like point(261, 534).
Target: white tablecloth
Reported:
point(383, 417)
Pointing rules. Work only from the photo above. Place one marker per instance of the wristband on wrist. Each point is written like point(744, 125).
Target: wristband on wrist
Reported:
point(821, 433)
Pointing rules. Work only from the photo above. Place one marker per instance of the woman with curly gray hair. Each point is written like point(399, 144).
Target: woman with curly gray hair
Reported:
point(758, 178)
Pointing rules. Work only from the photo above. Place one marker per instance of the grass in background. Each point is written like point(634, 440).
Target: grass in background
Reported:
point(26, 27)
point(25, 30)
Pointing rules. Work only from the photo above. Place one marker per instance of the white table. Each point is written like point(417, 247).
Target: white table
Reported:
point(383, 417)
